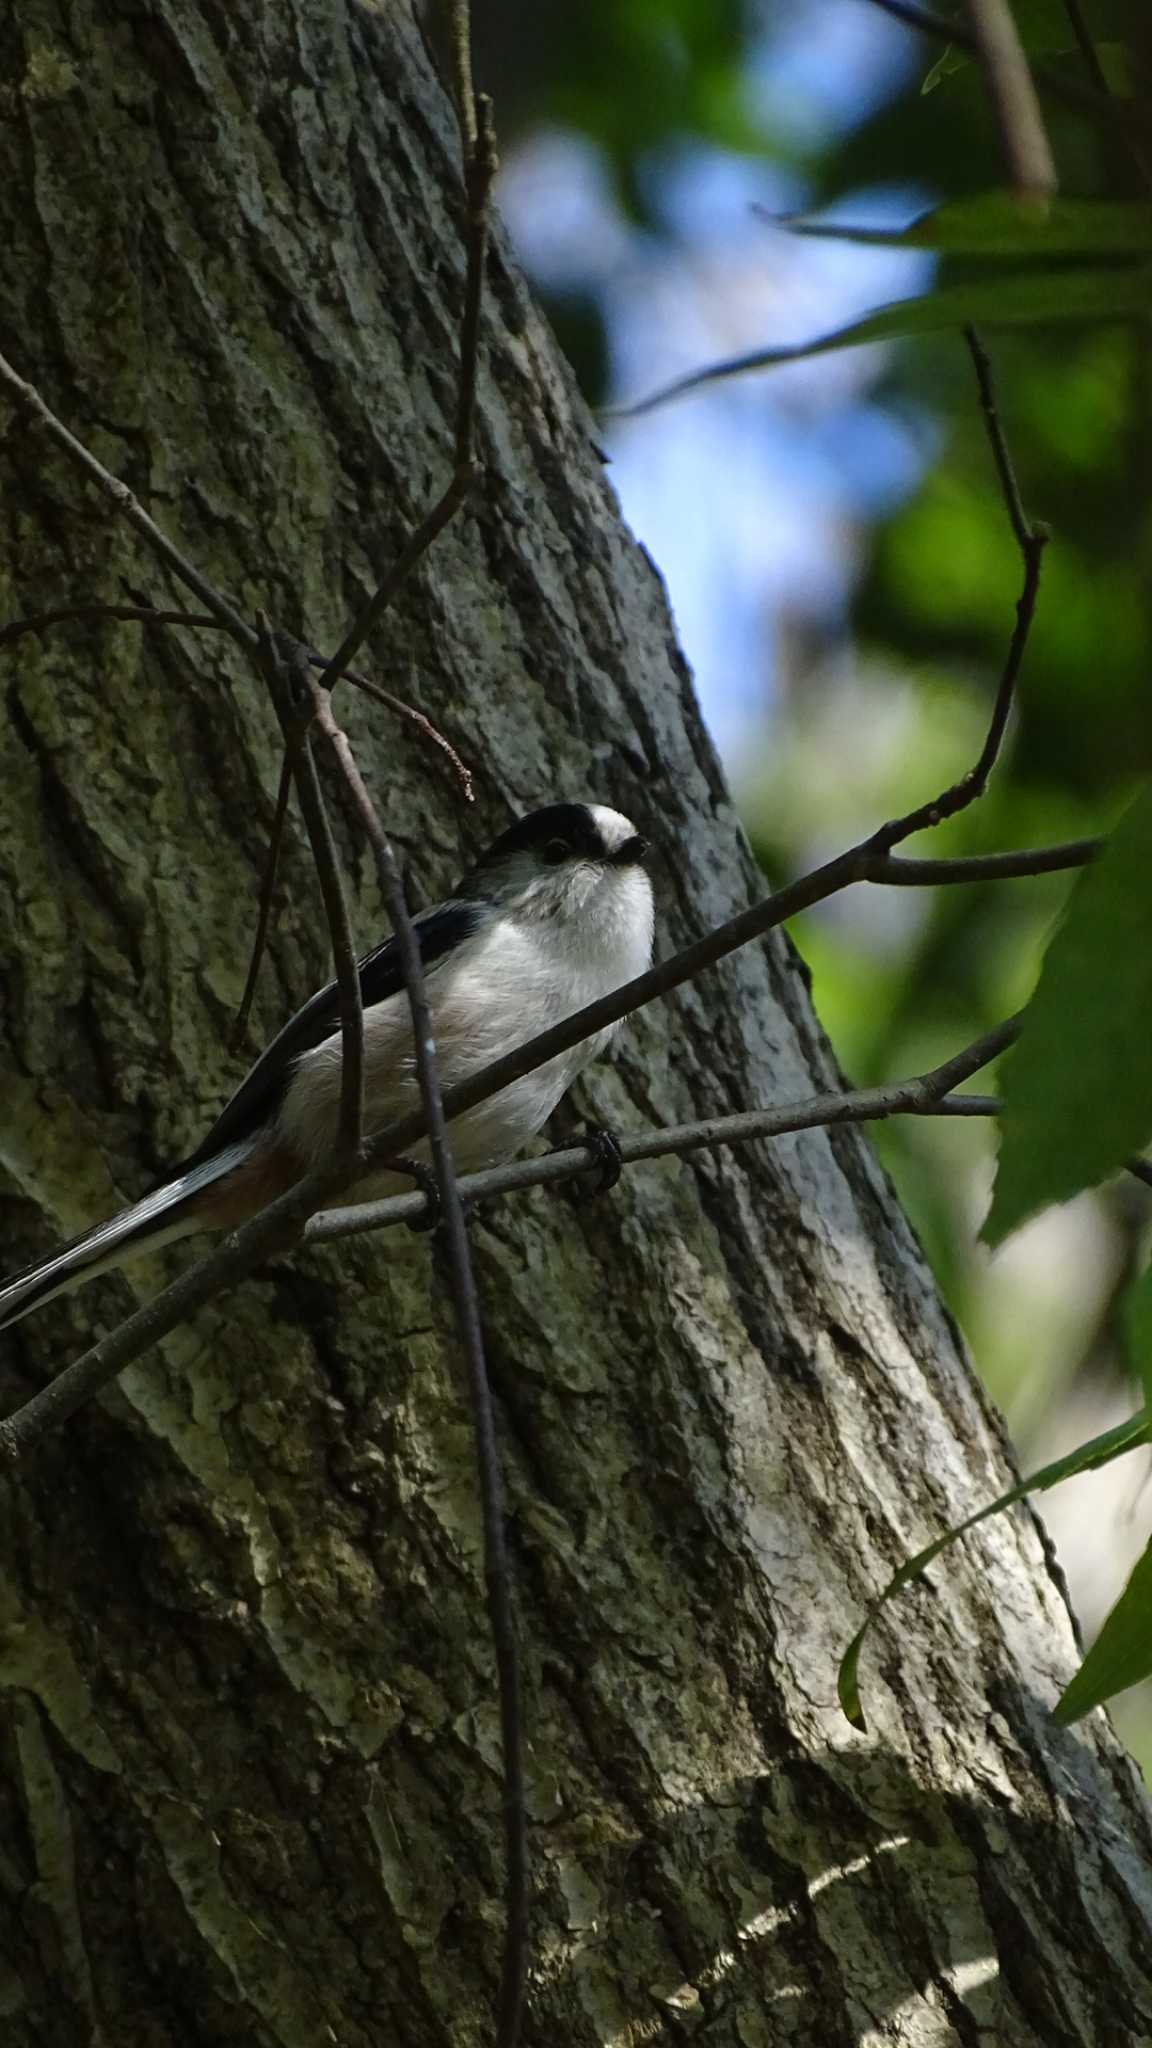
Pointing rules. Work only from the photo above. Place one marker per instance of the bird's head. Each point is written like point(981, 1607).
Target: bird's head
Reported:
point(581, 863)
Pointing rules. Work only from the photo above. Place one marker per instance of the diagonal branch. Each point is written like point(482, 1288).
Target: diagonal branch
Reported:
point(1000, 55)
point(222, 610)
point(287, 1219)
point(479, 172)
point(289, 677)
point(859, 864)
point(920, 1095)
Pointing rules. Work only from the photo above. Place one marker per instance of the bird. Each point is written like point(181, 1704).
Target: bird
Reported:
point(556, 912)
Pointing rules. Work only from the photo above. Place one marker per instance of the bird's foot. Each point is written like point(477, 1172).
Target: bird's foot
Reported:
point(433, 1214)
point(601, 1177)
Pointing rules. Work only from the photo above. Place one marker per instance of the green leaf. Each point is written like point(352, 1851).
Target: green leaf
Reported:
point(1088, 1457)
point(1030, 298)
point(1122, 1653)
point(950, 59)
point(1077, 1089)
point(998, 224)
point(1138, 1329)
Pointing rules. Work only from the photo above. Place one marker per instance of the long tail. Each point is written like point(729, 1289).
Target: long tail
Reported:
point(152, 1221)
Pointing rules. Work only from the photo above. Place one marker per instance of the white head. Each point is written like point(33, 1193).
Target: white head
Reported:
point(576, 864)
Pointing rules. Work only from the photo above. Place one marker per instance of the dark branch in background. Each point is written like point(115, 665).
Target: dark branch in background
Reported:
point(1027, 537)
point(479, 173)
point(467, 1309)
point(223, 611)
point(242, 1251)
point(285, 664)
point(1000, 55)
point(1087, 48)
point(150, 615)
point(1031, 541)
point(267, 898)
point(1096, 105)
point(95, 614)
point(474, 114)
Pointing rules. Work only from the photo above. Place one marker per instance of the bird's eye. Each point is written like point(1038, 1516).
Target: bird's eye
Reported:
point(554, 851)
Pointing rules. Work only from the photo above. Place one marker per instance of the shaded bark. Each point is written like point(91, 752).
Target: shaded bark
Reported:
point(248, 1774)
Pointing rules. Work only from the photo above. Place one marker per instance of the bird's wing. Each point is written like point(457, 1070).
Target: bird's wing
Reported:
point(260, 1093)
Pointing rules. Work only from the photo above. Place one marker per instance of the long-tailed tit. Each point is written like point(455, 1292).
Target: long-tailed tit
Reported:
point(557, 912)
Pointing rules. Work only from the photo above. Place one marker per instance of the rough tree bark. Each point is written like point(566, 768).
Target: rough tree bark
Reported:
point(248, 1784)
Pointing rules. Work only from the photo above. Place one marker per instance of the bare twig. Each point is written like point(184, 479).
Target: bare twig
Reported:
point(859, 864)
point(431, 732)
point(129, 507)
point(463, 94)
point(1054, 83)
point(480, 164)
point(1000, 54)
point(1026, 535)
point(497, 1575)
point(283, 1221)
point(920, 1095)
point(1031, 541)
point(989, 867)
point(418, 543)
point(94, 614)
point(285, 664)
point(299, 1212)
point(479, 176)
point(1096, 72)
point(267, 894)
point(151, 615)
point(479, 173)
point(239, 1255)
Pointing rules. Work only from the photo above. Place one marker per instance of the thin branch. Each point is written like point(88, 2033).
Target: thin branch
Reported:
point(480, 166)
point(989, 867)
point(267, 894)
point(480, 169)
point(129, 507)
point(418, 543)
point(920, 1095)
point(273, 1230)
point(1000, 54)
point(286, 1218)
point(1031, 539)
point(93, 614)
point(285, 665)
point(1096, 72)
point(497, 1572)
point(150, 615)
point(1025, 533)
point(462, 90)
point(859, 864)
point(1054, 83)
point(418, 718)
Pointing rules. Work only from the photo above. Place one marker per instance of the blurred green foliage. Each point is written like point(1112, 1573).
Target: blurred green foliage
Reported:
point(864, 729)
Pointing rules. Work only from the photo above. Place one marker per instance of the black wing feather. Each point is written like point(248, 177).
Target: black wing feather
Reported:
point(262, 1090)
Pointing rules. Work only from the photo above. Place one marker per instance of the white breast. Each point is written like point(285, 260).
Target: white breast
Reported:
point(508, 982)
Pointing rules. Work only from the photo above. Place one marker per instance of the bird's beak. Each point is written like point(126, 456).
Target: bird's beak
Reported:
point(631, 854)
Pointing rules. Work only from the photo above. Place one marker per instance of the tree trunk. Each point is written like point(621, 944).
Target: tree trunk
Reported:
point(249, 1787)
